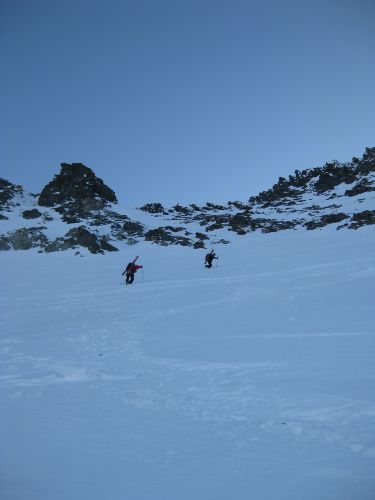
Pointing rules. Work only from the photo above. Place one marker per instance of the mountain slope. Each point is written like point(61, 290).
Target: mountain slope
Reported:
point(77, 210)
point(253, 379)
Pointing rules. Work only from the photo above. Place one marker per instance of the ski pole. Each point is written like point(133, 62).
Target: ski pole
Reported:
point(143, 276)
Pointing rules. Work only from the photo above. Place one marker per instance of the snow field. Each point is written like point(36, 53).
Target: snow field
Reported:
point(253, 379)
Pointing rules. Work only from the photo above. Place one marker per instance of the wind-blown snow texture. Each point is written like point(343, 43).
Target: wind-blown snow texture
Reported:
point(251, 380)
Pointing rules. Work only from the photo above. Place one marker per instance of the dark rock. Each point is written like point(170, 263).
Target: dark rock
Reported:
point(319, 208)
point(364, 186)
point(333, 218)
point(365, 218)
point(334, 174)
point(240, 223)
point(326, 178)
point(199, 244)
point(213, 206)
point(369, 154)
point(282, 189)
point(195, 207)
point(182, 210)
point(31, 214)
point(215, 226)
point(213, 220)
point(133, 229)
point(7, 193)
point(163, 237)
point(159, 236)
point(59, 245)
point(105, 246)
point(24, 239)
point(237, 204)
point(121, 226)
point(78, 189)
point(272, 225)
point(201, 236)
point(153, 208)
point(71, 213)
point(325, 220)
point(80, 237)
point(4, 244)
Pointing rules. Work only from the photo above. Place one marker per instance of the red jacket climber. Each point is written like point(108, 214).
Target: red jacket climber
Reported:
point(130, 270)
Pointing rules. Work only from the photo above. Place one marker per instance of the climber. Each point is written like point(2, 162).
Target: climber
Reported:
point(209, 259)
point(130, 270)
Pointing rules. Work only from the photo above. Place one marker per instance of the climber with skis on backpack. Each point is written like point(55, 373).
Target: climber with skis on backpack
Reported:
point(130, 271)
point(209, 259)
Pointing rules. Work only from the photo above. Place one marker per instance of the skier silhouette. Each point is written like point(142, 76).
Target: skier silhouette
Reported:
point(209, 258)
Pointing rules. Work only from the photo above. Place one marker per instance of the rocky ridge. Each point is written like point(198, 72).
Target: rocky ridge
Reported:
point(77, 210)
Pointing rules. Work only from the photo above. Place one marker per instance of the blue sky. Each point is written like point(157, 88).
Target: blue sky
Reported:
point(184, 100)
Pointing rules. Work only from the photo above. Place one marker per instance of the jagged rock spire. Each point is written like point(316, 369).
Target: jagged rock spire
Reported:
point(77, 184)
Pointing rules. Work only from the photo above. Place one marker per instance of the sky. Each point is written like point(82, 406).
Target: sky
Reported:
point(182, 101)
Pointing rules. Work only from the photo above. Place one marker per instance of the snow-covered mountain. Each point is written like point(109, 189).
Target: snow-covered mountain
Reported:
point(77, 210)
point(252, 379)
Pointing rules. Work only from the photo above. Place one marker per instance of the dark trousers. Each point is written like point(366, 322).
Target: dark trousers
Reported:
point(129, 278)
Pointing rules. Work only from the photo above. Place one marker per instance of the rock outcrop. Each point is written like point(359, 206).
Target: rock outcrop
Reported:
point(81, 237)
point(24, 239)
point(76, 192)
point(82, 211)
point(8, 192)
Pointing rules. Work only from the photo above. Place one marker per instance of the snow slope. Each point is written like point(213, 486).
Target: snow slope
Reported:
point(252, 380)
point(77, 210)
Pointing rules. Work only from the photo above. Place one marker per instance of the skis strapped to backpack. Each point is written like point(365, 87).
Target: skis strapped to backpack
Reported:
point(130, 265)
